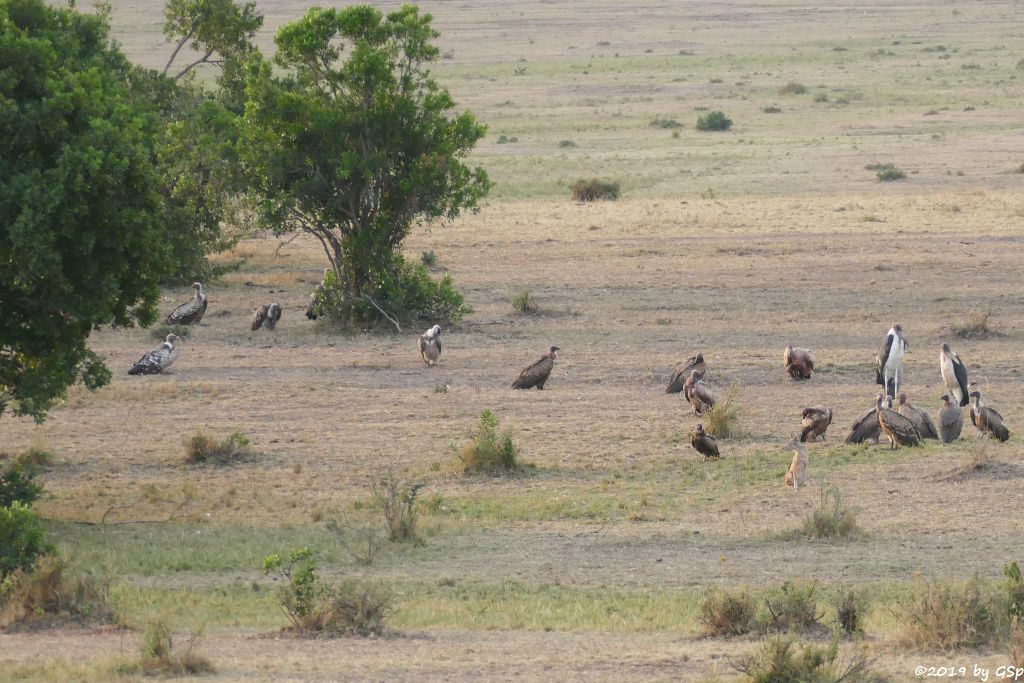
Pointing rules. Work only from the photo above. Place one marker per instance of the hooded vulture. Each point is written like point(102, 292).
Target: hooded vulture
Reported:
point(889, 359)
point(430, 345)
point(315, 307)
point(954, 374)
point(704, 443)
point(159, 359)
point(191, 311)
point(951, 420)
point(682, 373)
point(797, 474)
point(897, 428)
point(815, 423)
point(865, 428)
point(986, 419)
point(698, 393)
point(537, 373)
point(921, 419)
point(266, 316)
point(799, 362)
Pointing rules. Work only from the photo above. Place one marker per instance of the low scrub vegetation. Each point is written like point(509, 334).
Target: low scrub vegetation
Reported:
point(725, 613)
point(201, 448)
point(977, 325)
point(783, 660)
point(950, 616)
point(833, 519)
point(793, 607)
point(159, 657)
point(523, 302)
point(47, 594)
point(886, 172)
point(160, 332)
point(488, 450)
point(793, 88)
point(722, 421)
point(18, 485)
point(594, 189)
point(22, 540)
point(665, 122)
point(397, 501)
point(429, 259)
point(714, 121)
point(850, 610)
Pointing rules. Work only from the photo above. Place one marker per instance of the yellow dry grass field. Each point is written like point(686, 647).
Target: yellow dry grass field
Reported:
point(590, 565)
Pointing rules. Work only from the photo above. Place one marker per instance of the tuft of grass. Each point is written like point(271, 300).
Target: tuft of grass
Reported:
point(160, 332)
point(505, 139)
point(665, 123)
point(850, 611)
point(46, 594)
point(488, 450)
point(886, 172)
point(725, 613)
point(523, 302)
point(429, 259)
point(793, 88)
point(34, 459)
point(722, 421)
point(949, 616)
point(591, 190)
point(202, 448)
point(977, 325)
point(714, 121)
point(782, 660)
point(792, 607)
point(771, 109)
point(397, 501)
point(832, 520)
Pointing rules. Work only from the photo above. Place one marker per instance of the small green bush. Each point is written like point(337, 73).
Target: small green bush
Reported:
point(665, 123)
point(793, 88)
point(714, 121)
point(821, 97)
point(523, 302)
point(976, 326)
point(594, 189)
point(722, 421)
point(22, 541)
point(781, 660)
point(202, 448)
point(771, 109)
point(792, 607)
point(725, 613)
point(505, 139)
point(397, 500)
point(832, 519)
point(1014, 586)
point(950, 616)
point(47, 594)
point(886, 172)
point(159, 657)
point(18, 484)
point(850, 611)
point(160, 332)
point(488, 451)
point(566, 144)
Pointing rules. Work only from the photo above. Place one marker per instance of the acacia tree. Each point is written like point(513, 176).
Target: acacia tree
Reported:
point(355, 143)
point(81, 243)
point(218, 30)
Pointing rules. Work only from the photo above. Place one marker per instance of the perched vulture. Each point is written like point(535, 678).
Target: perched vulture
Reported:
point(954, 374)
point(430, 346)
point(986, 419)
point(865, 428)
point(897, 428)
point(698, 393)
point(159, 359)
point(682, 373)
point(799, 362)
point(191, 311)
point(538, 372)
point(921, 419)
point(313, 310)
point(704, 444)
point(815, 423)
point(266, 316)
point(951, 420)
point(797, 474)
point(889, 359)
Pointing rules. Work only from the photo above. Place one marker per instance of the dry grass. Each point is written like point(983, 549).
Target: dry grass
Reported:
point(594, 189)
point(159, 657)
point(832, 519)
point(201, 449)
point(722, 421)
point(727, 613)
point(47, 595)
point(977, 325)
point(945, 616)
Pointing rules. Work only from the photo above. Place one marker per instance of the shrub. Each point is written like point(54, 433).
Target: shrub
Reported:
point(793, 88)
point(771, 109)
point(714, 120)
point(886, 172)
point(832, 519)
point(665, 123)
point(727, 614)
point(47, 593)
point(203, 448)
point(21, 539)
point(1020, 169)
point(948, 616)
point(428, 259)
point(487, 450)
point(18, 485)
point(850, 610)
point(781, 661)
point(397, 500)
point(977, 325)
point(792, 607)
point(523, 302)
point(722, 420)
point(565, 144)
point(1014, 587)
point(159, 657)
point(821, 97)
point(594, 189)
point(505, 139)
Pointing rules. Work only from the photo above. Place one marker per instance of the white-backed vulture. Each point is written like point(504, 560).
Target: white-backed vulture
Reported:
point(159, 359)
point(430, 345)
point(951, 420)
point(865, 428)
point(799, 362)
point(897, 428)
point(537, 373)
point(954, 374)
point(191, 311)
point(987, 420)
point(889, 360)
point(921, 419)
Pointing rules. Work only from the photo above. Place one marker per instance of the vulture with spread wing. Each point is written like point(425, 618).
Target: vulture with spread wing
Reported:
point(920, 417)
point(815, 423)
point(682, 373)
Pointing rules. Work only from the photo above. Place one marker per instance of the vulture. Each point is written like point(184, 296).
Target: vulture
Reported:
point(921, 419)
point(682, 373)
point(815, 423)
point(954, 374)
point(799, 362)
point(986, 419)
point(898, 429)
point(889, 359)
point(538, 372)
point(704, 444)
point(797, 474)
point(313, 310)
point(865, 428)
point(698, 393)
point(951, 420)
point(430, 346)
point(159, 359)
point(191, 311)
point(266, 316)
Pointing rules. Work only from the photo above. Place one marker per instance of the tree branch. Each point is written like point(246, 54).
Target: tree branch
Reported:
point(181, 43)
point(390, 318)
point(194, 64)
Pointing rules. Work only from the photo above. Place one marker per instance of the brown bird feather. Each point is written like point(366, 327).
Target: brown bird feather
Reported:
point(815, 423)
point(537, 373)
point(799, 362)
point(698, 394)
point(682, 373)
point(897, 428)
point(704, 444)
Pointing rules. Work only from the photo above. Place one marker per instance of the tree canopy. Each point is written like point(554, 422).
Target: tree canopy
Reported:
point(353, 142)
point(81, 242)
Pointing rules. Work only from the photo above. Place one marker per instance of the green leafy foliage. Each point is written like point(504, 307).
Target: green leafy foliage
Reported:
point(353, 141)
point(593, 189)
point(397, 500)
point(714, 120)
point(488, 450)
point(17, 484)
point(219, 30)
point(21, 539)
point(783, 660)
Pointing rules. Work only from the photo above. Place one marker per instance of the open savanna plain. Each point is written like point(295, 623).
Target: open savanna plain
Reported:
point(592, 562)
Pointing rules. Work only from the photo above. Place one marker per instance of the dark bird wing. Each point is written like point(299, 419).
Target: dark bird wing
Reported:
point(706, 446)
point(153, 362)
point(927, 426)
point(900, 428)
point(187, 313)
point(865, 428)
point(535, 375)
point(700, 397)
point(437, 341)
point(993, 423)
point(883, 358)
point(951, 423)
point(960, 371)
point(258, 316)
point(682, 373)
point(423, 344)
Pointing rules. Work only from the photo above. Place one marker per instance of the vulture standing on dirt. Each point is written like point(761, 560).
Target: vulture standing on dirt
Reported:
point(889, 359)
point(313, 308)
point(799, 362)
point(704, 443)
point(682, 373)
point(266, 316)
point(191, 311)
point(865, 428)
point(815, 423)
point(897, 428)
point(921, 419)
point(430, 345)
point(951, 420)
point(986, 419)
point(797, 474)
point(698, 393)
point(954, 374)
point(538, 372)
point(159, 359)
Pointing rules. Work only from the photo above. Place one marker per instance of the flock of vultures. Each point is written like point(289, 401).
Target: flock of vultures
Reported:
point(903, 424)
